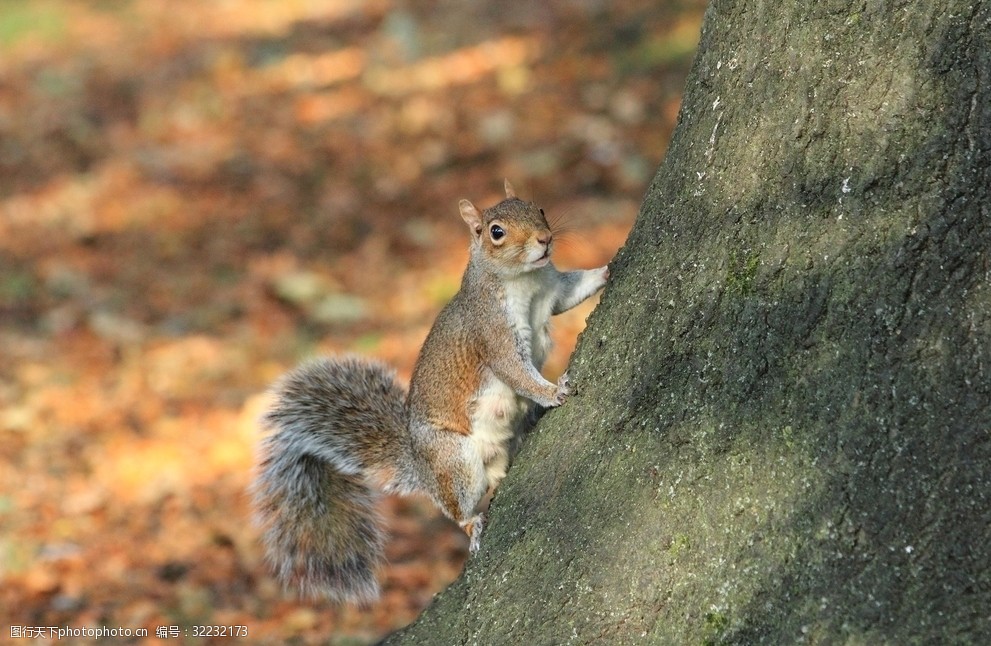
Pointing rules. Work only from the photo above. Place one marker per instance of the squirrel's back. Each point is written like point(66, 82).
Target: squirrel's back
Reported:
point(448, 369)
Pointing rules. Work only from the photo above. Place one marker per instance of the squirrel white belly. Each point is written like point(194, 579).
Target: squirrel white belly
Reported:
point(342, 430)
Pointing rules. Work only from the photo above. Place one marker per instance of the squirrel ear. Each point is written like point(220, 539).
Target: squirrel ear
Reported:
point(471, 216)
point(510, 193)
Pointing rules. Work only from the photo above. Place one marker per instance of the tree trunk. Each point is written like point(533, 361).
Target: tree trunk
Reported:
point(782, 430)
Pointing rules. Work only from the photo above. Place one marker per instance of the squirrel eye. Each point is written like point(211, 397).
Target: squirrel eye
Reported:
point(541, 211)
point(497, 232)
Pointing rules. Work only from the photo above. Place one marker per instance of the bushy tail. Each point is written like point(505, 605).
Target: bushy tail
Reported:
point(337, 429)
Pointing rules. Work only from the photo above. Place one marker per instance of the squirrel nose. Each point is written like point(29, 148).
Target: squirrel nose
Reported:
point(545, 238)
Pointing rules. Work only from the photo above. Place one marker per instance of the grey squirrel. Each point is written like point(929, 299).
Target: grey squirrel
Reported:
point(342, 431)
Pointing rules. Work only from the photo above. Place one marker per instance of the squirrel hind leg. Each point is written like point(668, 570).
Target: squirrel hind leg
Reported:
point(459, 490)
point(322, 531)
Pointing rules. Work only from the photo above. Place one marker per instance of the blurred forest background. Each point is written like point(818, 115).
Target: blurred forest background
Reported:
point(196, 195)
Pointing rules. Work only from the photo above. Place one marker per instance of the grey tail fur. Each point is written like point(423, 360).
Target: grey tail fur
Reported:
point(337, 434)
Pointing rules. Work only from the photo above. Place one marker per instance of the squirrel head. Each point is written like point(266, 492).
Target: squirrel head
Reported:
point(513, 236)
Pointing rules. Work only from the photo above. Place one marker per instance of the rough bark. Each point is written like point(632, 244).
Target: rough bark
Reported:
point(783, 425)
